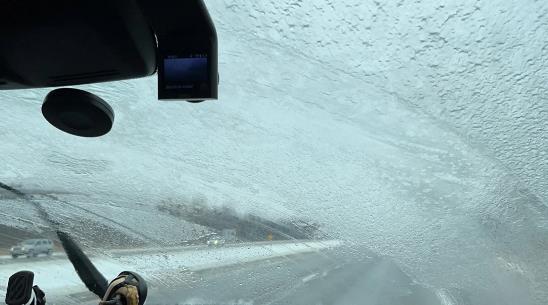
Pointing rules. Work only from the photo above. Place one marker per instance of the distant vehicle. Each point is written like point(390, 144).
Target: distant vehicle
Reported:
point(215, 242)
point(229, 235)
point(32, 248)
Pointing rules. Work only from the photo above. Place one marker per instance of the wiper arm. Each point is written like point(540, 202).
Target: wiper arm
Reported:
point(133, 288)
point(88, 273)
point(92, 278)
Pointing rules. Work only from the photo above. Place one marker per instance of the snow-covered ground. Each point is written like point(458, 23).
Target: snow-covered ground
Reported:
point(57, 276)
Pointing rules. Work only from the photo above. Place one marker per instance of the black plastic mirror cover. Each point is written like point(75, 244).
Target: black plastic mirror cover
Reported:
point(78, 112)
point(60, 42)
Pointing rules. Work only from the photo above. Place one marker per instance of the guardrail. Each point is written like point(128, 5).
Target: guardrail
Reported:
point(200, 247)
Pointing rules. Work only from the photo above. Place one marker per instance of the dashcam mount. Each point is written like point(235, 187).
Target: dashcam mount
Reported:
point(57, 43)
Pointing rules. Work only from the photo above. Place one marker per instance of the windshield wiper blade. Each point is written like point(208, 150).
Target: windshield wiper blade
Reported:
point(88, 273)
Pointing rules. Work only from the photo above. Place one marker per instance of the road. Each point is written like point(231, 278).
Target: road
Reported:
point(327, 277)
point(7, 259)
point(330, 276)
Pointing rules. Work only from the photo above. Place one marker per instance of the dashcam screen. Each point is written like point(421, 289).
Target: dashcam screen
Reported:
point(182, 71)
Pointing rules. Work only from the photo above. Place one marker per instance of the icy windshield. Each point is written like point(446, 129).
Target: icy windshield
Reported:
point(360, 152)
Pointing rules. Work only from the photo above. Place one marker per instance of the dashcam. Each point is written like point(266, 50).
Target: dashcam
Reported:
point(187, 76)
point(187, 54)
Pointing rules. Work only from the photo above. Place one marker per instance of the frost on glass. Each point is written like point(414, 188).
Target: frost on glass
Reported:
point(415, 130)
